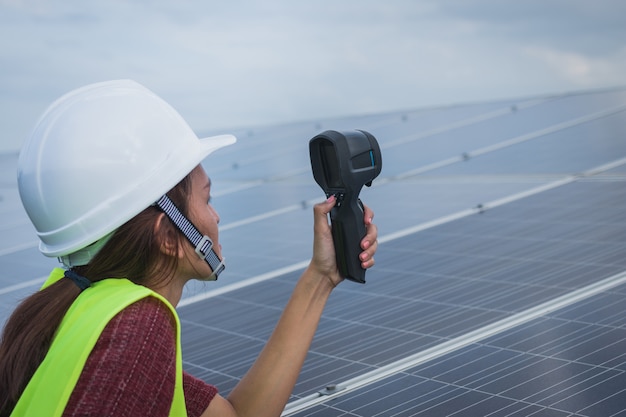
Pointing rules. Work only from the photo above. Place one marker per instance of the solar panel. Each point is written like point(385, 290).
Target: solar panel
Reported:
point(530, 357)
point(498, 278)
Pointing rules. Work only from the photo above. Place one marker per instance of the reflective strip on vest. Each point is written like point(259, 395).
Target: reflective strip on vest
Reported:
point(49, 389)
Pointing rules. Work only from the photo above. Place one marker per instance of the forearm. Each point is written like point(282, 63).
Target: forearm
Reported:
point(266, 388)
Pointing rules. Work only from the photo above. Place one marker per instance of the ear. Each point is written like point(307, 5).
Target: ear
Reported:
point(167, 236)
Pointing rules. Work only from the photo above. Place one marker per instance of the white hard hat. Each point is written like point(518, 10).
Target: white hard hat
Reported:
point(98, 156)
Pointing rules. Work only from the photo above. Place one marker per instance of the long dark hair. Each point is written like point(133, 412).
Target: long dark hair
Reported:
point(132, 252)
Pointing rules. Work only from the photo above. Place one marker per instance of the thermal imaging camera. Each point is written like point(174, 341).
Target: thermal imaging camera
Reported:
point(342, 162)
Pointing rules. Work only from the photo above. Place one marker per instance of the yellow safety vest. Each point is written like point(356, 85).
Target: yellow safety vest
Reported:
point(49, 389)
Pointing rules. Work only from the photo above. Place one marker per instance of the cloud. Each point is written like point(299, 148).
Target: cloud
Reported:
point(585, 26)
point(244, 63)
point(579, 69)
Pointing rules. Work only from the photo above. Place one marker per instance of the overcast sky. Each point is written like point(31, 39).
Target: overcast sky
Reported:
point(259, 62)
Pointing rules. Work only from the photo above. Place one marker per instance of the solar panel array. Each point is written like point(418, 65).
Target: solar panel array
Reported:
point(499, 280)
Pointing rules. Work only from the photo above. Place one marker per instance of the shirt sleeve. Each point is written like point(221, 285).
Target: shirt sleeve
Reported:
point(132, 369)
point(198, 395)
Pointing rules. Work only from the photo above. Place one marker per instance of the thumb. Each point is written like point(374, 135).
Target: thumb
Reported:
point(321, 211)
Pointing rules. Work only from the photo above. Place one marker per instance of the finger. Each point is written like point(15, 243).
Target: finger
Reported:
point(368, 263)
point(369, 252)
point(322, 209)
point(370, 236)
point(368, 215)
point(325, 206)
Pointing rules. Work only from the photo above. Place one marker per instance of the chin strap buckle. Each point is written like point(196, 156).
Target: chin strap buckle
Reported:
point(204, 246)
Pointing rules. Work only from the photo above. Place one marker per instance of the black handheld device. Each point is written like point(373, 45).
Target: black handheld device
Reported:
point(342, 162)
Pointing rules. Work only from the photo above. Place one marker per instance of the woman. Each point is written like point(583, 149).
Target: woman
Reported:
point(112, 181)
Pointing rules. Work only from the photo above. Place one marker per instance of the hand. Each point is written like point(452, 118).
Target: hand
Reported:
point(324, 250)
point(369, 244)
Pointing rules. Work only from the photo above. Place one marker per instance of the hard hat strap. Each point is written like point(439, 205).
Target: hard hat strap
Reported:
point(202, 243)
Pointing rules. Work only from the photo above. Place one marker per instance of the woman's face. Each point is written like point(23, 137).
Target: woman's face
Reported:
point(204, 217)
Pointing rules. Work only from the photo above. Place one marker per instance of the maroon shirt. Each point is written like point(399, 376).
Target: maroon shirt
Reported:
point(132, 369)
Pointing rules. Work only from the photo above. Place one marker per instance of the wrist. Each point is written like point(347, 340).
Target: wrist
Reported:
point(318, 280)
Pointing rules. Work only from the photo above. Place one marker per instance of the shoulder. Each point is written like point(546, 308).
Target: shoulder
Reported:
point(136, 352)
point(149, 311)
point(146, 319)
point(145, 328)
